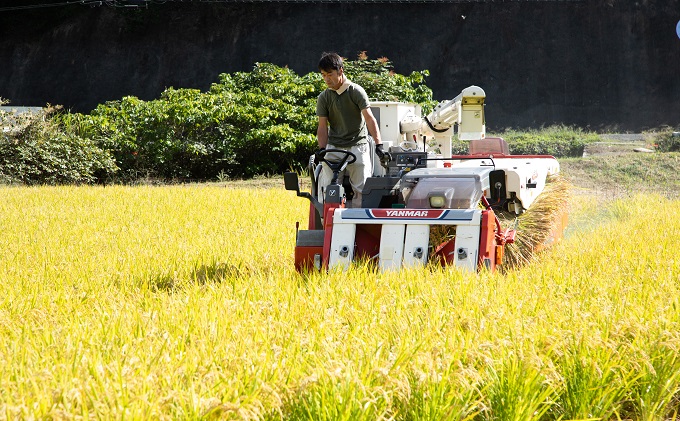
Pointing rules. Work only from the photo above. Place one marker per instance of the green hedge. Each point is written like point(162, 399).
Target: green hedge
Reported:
point(249, 123)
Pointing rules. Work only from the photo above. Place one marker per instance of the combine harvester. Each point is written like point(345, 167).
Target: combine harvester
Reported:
point(427, 204)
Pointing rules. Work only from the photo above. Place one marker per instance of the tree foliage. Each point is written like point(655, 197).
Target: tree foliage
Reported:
point(382, 83)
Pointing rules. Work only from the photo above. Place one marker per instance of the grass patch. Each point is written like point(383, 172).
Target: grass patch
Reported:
point(621, 175)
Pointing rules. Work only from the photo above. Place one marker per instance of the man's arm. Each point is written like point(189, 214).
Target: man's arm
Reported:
point(372, 125)
point(322, 132)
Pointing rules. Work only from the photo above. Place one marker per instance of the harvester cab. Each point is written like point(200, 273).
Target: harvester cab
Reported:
point(425, 205)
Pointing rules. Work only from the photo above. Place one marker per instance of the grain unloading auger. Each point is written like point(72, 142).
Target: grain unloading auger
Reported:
point(425, 204)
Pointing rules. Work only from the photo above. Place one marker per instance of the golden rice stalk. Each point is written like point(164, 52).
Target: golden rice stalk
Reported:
point(538, 226)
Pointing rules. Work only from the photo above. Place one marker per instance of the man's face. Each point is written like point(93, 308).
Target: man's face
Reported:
point(332, 78)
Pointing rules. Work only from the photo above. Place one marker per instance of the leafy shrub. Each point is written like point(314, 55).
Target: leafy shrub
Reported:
point(249, 123)
point(36, 149)
point(459, 147)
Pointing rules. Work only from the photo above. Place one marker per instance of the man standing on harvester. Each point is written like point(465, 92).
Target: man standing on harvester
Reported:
point(346, 122)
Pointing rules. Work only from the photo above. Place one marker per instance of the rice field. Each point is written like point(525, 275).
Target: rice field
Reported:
point(181, 302)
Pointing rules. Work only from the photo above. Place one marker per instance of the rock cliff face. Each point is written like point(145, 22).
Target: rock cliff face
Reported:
point(603, 64)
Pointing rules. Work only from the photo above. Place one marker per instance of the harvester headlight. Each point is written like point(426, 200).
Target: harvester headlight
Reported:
point(437, 202)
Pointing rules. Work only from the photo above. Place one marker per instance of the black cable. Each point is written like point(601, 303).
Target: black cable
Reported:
point(432, 127)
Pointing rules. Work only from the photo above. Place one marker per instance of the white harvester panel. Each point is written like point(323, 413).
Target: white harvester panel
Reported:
point(416, 244)
point(526, 177)
point(467, 247)
point(471, 124)
point(342, 246)
point(391, 246)
point(389, 114)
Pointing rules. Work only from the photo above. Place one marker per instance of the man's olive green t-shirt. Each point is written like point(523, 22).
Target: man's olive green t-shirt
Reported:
point(347, 126)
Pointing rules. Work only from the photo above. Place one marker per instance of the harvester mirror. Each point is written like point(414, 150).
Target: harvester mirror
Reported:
point(290, 179)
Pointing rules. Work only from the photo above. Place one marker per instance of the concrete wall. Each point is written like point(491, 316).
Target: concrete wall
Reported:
point(602, 64)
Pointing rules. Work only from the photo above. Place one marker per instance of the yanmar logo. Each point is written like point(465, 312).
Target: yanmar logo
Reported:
point(406, 213)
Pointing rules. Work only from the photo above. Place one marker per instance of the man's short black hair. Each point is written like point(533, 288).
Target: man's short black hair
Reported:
point(329, 62)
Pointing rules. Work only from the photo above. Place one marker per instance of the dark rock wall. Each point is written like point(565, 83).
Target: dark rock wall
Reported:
point(602, 64)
